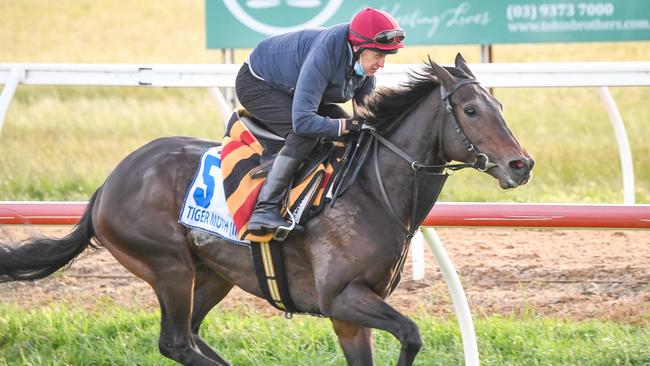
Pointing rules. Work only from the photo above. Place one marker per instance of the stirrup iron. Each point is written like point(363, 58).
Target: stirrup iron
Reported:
point(282, 232)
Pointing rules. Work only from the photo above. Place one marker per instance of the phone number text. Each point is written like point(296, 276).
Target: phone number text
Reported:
point(558, 10)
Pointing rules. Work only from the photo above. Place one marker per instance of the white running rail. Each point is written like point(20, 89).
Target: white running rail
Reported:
point(214, 76)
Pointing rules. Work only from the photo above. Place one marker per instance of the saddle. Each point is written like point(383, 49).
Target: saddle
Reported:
point(246, 158)
point(247, 155)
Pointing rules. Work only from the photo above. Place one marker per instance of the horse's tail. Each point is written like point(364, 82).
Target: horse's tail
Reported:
point(39, 258)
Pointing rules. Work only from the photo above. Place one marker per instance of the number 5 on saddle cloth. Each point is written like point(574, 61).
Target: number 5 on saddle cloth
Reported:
point(246, 157)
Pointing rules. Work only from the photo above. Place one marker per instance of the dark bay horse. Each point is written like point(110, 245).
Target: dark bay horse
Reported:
point(341, 267)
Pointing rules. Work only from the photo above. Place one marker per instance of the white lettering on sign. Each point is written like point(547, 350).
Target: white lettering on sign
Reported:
point(459, 16)
point(568, 17)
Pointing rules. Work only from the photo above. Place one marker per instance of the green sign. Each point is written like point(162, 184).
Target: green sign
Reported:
point(243, 23)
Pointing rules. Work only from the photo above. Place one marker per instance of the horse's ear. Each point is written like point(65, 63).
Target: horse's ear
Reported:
point(446, 79)
point(462, 64)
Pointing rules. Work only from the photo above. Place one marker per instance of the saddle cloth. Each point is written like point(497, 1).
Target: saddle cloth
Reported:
point(205, 206)
point(240, 161)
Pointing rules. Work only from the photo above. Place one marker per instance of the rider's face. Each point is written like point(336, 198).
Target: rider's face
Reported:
point(371, 61)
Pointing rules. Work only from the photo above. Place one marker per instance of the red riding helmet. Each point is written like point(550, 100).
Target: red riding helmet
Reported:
point(372, 28)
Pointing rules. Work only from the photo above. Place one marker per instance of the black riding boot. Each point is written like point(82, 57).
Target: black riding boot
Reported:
point(266, 217)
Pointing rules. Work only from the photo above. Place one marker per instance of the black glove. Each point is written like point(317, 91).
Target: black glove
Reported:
point(353, 125)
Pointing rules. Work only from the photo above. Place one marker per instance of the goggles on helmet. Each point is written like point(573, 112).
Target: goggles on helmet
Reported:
point(387, 37)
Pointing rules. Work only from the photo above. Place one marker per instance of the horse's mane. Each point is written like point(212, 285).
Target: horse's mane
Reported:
point(387, 105)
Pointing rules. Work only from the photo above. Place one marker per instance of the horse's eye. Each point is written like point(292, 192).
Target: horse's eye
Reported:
point(470, 111)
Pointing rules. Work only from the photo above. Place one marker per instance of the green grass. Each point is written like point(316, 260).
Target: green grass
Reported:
point(107, 335)
point(59, 143)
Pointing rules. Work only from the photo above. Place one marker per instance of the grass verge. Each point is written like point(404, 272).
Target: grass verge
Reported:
point(63, 334)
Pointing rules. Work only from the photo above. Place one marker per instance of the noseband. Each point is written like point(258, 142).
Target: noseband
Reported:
point(481, 161)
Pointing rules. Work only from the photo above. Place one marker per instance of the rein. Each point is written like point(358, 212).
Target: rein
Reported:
point(481, 161)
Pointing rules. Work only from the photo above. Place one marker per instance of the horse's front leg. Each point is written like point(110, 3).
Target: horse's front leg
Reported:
point(356, 342)
point(358, 304)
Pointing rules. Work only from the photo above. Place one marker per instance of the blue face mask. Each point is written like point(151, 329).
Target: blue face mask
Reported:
point(358, 69)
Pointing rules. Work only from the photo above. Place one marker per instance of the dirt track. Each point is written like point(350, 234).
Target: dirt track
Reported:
point(579, 274)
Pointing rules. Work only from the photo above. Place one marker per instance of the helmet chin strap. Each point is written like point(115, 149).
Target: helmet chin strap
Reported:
point(356, 57)
point(356, 52)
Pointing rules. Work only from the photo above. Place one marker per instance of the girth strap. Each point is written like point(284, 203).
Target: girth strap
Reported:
point(271, 275)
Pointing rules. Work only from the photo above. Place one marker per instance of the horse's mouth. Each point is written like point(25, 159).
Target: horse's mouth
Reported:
point(509, 180)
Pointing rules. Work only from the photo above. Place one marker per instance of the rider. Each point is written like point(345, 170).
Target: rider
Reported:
point(290, 83)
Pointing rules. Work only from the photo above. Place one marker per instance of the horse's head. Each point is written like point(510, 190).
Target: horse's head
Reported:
point(481, 128)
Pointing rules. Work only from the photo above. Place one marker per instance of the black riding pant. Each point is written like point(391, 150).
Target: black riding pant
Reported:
point(272, 107)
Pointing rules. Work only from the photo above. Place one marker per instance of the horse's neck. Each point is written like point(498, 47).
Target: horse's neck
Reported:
point(418, 131)
point(417, 135)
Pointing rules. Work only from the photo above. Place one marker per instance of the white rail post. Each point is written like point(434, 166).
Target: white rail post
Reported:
point(468, 335)
point(624, 151)
point(218, 98)
point(16, 76)
point(417, 255)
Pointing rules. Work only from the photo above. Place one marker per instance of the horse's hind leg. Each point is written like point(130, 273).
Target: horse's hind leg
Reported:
point(210, 289)
point(175, 292)
point(355, 341)
point(167, 266)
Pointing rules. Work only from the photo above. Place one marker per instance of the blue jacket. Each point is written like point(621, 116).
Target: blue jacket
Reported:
point(315, 65)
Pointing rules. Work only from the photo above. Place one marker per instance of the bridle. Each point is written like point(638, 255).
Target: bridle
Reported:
point(481, 161)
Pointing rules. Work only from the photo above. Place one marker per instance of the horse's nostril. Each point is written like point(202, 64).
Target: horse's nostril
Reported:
point(517, 165)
